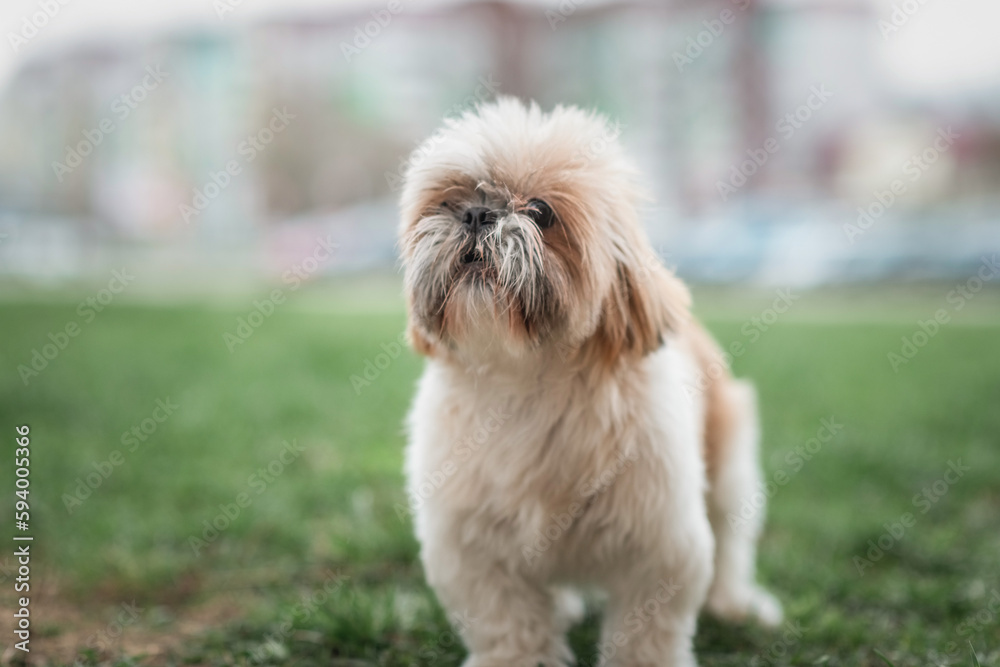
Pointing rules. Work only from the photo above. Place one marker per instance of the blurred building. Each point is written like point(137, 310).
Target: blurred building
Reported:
point(767, 129)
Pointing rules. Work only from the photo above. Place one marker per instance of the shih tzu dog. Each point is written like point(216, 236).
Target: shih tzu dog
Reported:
point(575, 428)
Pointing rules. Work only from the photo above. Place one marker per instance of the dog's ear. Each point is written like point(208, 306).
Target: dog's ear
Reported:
point(419, 342)
point(645, 303)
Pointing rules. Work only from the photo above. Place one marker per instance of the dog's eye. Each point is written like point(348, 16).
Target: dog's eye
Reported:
point(541, 213)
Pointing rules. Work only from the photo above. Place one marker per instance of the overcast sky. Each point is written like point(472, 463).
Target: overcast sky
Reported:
point(946, 47)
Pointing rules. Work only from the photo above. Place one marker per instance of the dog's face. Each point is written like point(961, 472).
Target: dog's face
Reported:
point(519, 233)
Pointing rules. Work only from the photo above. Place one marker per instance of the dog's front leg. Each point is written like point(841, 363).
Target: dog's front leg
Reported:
point(650, 626)
point(511, 620)
point(653, 604)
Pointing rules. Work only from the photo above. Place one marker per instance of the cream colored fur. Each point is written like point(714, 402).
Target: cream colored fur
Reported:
point(558, 435)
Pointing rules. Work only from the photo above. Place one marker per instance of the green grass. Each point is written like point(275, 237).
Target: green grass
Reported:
point(326, 523)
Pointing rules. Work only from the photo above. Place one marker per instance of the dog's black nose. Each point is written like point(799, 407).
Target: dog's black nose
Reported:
point(478, 216)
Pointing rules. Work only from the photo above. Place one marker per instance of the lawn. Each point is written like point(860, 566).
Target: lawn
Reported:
point(196, 505)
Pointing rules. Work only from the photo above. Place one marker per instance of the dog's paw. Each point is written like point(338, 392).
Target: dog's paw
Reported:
point(570, 607)
point(538, 661)
point(752, 603)
point(558, 654)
